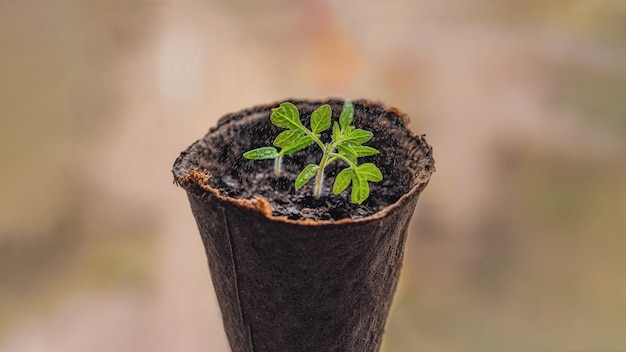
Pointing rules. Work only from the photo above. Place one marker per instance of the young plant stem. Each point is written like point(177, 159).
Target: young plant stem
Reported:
point(319, 178)
point(278, 162)
point(336, 156)
point(313, 137)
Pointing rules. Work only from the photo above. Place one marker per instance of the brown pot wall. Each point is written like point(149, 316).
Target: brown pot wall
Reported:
point(296, 285)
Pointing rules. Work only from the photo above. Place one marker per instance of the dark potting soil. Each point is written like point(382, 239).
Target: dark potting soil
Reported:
point(219, 154)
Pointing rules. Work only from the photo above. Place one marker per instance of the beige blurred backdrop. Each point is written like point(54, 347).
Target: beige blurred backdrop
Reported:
point(518, 243)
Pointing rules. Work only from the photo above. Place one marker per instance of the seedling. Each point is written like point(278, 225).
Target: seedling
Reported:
point(346, 145)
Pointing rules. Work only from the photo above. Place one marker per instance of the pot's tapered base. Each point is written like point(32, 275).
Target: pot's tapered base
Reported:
point(284, 287)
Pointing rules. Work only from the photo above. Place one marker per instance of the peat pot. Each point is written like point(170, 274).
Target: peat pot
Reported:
point(291, 272)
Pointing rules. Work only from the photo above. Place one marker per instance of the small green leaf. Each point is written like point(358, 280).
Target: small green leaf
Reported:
point(305, 175)
point(347, 150)
point(360, 189)
point(342, 181)
point(261, 153)
point(347, 115)
point(369, 172)
point(336, 132)
point(320, 118)
point(363, 150)
point(304, 142)
point(288, 138)
point(358, 136)
point(286, 116)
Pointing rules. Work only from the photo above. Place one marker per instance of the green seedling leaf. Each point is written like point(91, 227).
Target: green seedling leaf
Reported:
point(342, 181)
point(304, 142)
point(288, 138)
point(358, 136)
point(363, 150)
point(286, 116)
point(347, 151)
point(360, 189)
point(305, 175)
point(336, 132)
point(261, 153)
point(347, 115)
point(320, 118)
point(369, 172)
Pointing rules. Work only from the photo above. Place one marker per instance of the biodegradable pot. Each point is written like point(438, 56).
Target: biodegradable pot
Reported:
point(291, 283)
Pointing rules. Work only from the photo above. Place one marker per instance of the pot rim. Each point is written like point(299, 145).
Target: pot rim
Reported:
point(195, 182)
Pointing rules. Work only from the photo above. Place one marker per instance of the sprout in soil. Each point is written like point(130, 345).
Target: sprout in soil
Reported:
point(346, 145)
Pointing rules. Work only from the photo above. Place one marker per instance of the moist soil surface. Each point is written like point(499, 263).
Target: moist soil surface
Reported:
point(301, 204)
point(219, 154)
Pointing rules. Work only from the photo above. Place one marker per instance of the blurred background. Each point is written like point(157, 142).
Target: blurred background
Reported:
point(517, 243)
